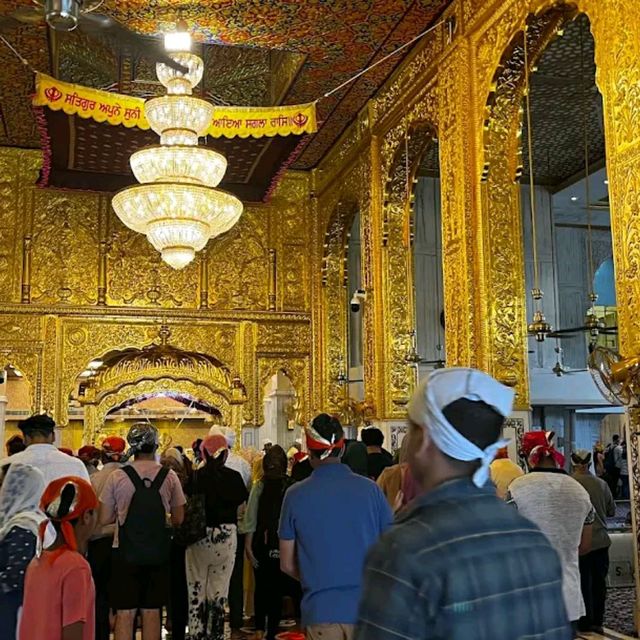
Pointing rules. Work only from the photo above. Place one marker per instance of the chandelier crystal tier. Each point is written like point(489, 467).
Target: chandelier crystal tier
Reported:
point(176, 205)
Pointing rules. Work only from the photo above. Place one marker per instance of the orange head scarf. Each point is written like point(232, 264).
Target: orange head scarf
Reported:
point(63, 501)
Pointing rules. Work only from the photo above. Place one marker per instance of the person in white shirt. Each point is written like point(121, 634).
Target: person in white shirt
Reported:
point(38, 432)
point(562, 509)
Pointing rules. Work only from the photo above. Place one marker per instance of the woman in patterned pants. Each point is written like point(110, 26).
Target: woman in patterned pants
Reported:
point(210, 561)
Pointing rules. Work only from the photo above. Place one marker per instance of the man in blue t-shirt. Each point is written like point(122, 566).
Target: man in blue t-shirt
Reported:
point(328, 523)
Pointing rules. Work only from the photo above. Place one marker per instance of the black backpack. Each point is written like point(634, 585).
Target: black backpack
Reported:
point(144, 538)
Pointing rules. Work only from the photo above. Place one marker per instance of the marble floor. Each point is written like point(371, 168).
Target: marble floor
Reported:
point(608, 635)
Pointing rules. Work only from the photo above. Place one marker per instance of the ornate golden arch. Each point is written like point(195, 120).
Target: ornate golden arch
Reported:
point(298, 370)
point(335, 307)
point(614, 26)
point(158, 368)
point(112, 399)
point(28, 363)
point(405, 145)
point(504, 331)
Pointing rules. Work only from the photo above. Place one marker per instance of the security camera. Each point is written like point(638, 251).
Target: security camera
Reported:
point(359, 296)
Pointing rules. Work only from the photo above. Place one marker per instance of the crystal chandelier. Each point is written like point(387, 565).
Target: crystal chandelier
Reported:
point(176, 205)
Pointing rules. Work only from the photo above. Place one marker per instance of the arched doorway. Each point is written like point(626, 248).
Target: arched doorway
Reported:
point(119, 380)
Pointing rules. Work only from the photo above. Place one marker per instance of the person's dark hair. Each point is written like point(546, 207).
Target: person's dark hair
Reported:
point(180, 448)
point(356, 457)
point(15, 445)
point(615, 437)
point(372, 437)
point(39, 424)
point(213, 464)
point(275, 462)
point(147, 448)
point(329, 428)
point(477, 422)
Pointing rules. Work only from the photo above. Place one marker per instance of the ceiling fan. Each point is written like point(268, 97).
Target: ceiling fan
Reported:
point(414, 358)
point(559, 368)
point(67, 15)
point(592, 325)
point(617, 378)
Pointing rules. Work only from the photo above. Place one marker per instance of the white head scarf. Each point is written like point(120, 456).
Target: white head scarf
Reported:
point(20, 499)
point(439, 390)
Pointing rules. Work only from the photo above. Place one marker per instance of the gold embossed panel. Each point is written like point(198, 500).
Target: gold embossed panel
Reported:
point(64, 247)
point(137, 276)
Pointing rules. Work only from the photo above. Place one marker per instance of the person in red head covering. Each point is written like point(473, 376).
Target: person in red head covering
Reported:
point(59, 594)
point(90, 455)
point(542, 442)
point(66, 450)
point(560, 507)
point(210, 561)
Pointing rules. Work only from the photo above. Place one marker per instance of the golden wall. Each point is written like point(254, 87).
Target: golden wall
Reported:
point(75, 284)
point(454, 85)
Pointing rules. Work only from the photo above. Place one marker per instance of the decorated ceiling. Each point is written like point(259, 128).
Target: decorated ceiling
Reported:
point(256, 52)
point(565, 99)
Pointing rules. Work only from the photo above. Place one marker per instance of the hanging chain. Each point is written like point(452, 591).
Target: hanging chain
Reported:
point(536, 274)
point(585, 122)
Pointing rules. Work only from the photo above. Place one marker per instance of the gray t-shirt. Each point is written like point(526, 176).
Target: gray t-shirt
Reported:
point(561, 507)
point(604, 504)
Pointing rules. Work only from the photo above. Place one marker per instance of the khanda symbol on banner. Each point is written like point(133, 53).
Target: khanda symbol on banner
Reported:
point(52, 94)
point(299, 119)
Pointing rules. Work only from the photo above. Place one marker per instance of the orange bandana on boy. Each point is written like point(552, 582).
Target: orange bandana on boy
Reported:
point(63, 501)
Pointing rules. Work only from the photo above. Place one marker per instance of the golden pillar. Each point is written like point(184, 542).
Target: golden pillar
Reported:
point(372, 278)
point(460, 249)
point(615, 27)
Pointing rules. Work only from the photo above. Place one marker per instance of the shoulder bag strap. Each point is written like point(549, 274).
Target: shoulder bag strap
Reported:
point(160, 478)
point(134, 477)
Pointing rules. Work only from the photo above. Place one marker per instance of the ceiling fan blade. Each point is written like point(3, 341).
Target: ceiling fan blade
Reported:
point(570, 330)
point(100, 25)
point(562, 335)
point(28, 15)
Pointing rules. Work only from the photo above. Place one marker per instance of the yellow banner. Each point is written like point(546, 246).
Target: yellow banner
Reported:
point(118, 109)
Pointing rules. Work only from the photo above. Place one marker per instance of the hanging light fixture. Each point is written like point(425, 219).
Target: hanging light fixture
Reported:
point(591, 321)
point(539, 328)
point(176, 205)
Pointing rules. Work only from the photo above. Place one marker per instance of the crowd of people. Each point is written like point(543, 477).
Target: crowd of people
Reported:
point(448, 540)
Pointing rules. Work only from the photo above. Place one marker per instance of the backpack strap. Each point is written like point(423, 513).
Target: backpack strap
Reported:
point(160, 478)
point(134, 477)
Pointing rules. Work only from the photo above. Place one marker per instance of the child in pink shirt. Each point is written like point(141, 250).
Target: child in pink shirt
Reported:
point(59, 596)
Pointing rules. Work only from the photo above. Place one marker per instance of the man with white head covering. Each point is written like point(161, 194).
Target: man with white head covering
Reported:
point(460, 563)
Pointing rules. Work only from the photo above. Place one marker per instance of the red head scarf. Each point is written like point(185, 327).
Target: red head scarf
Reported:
point(316, 442)
point(536, 445)
point(533, 439)
point(114, 447)
point(214, 445)
point(64, 501)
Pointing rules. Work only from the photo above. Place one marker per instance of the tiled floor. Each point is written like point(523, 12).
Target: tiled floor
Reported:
point(608, 635)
